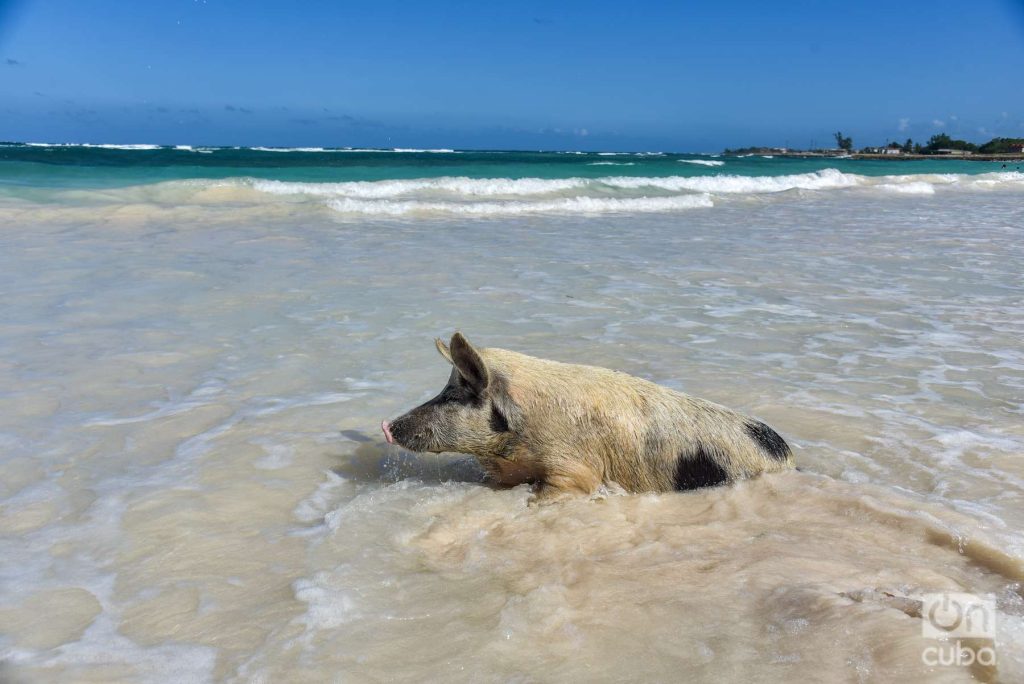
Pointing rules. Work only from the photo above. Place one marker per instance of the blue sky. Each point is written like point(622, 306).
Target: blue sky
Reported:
point(526, 75)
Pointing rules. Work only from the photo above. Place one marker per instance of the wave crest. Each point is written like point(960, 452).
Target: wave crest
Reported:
point(567, 205)
point(464, 196)
point(702, 162)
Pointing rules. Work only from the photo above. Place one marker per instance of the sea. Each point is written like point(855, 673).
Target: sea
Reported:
point(198, 345)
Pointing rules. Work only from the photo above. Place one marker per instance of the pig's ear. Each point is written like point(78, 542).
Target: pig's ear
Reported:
point(468, 362)
point(443, 350)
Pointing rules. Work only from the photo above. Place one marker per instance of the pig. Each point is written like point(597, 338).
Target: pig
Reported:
point(568, 428)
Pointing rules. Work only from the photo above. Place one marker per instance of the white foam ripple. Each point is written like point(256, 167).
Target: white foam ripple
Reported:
point(461, 186)
point(461, 195)
point(566, 205)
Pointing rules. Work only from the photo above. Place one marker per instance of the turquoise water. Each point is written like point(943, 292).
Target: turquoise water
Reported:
point(81, 166)
point(417, 183)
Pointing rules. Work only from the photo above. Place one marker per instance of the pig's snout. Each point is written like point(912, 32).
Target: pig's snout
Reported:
point(411, 431)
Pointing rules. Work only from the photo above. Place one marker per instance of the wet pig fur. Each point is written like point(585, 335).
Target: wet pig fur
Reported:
point(570, 428)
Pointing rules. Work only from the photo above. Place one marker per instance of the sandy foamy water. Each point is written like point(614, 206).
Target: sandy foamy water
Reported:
point(194, 488)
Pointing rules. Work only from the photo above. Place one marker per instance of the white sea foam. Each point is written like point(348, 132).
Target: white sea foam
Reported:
point(496, 187)
point(291, 149)
point(611, 163)
point(190, 148)
point(702, 162)
point(730, 184)
point(349, 149)
point(567, 205)
point(461, 186)
point(97, 146)
point(461, 195)
point(992, 180)
point(913, 188)
point(626, 154)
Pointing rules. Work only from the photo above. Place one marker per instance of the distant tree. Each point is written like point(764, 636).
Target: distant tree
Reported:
point(941, 141)
point(751, 150)
point(917, 148)
point(1002, 146)
point(908, 146)
point(843, 143)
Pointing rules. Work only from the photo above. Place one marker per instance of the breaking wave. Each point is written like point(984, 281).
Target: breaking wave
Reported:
point(566, 205)
point(96, 146)
point(465, 196)
point(628, 187)
point(456, 187)
point(461, 186)
point(914, 188)
point(702, 162)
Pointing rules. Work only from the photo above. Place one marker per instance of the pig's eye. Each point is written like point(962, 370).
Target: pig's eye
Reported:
point(498, 422)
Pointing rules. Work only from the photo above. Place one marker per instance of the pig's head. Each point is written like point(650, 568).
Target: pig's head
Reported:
point(471, 415)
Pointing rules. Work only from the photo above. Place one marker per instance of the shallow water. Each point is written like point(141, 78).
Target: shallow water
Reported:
point(195, 487)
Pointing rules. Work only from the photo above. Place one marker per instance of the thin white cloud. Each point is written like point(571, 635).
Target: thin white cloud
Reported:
point(938, 123)
point(904, 123)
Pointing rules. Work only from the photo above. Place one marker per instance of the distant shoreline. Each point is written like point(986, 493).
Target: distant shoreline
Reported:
point(1006, 157)
point(966, 157)
point(1018, 158)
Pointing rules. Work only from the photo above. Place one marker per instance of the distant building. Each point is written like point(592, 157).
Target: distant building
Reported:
point(892, 150)
point(955, 153)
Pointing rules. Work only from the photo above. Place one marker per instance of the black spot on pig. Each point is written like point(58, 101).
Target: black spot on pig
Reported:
point(768, 439)
point(698, 469)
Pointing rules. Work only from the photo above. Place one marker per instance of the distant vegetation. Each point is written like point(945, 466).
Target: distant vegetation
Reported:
point(739, 151)
point(843, 143)
point(1002, 146)
point(940, 143)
